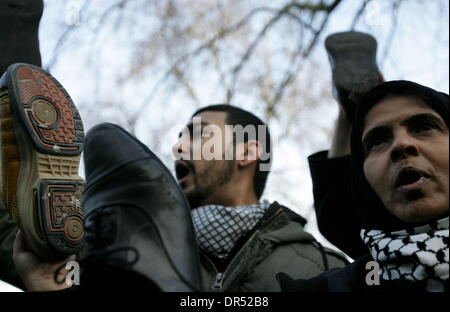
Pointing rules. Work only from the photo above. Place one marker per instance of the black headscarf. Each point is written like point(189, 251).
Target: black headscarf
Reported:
point(373, 214)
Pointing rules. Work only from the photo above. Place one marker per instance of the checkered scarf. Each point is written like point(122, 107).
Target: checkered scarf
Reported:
point(420, 255)
point(218, 228)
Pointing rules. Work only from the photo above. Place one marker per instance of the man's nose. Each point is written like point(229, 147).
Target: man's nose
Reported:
point(176, 148)
point(404, 146)
point(181, 147)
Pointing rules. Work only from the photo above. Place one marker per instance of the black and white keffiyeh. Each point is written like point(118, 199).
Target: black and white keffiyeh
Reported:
point(218, 228)
point(420, 254)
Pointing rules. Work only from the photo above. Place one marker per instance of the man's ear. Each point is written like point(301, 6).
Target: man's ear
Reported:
point(249, 153)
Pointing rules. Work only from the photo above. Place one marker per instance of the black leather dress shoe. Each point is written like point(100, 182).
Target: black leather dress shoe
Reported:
point(138, 224)
point(352, 57)
point(19, 40)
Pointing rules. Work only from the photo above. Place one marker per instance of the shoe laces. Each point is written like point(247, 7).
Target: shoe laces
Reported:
point(99, 237)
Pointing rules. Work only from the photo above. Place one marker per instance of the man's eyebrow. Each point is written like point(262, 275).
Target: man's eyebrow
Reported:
point(202, 123)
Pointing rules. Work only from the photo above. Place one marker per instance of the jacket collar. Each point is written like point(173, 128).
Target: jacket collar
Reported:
point(275, 206)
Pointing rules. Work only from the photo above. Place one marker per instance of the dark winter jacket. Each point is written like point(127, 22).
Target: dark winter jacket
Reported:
point(336, 208)
point(356, 277)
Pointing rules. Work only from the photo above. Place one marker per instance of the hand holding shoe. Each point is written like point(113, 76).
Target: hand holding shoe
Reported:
point(37, 274)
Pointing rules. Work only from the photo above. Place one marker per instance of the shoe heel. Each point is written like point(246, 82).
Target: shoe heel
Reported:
point(60, 215)
point(46, 110)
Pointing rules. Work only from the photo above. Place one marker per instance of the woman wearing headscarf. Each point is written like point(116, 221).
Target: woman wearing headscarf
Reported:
point(400, 159)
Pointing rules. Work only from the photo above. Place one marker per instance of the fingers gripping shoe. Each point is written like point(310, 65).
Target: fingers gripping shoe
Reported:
point(137, 218)
point(41, 142)
point(352, 57)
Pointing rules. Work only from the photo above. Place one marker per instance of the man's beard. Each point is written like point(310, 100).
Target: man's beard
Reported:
point(206, 182)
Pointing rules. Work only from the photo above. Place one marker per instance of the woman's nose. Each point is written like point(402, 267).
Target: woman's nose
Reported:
point(404, 146)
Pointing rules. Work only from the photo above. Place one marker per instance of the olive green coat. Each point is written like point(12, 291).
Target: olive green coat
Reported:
point(277, 244)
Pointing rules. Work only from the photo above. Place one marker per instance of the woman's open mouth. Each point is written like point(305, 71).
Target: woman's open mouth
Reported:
point(410, 179)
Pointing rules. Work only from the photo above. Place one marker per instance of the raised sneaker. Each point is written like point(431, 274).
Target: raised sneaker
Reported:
point(41, 139)
point(352, 57)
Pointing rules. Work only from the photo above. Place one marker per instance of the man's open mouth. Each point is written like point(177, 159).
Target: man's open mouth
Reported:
point(182, 170)
point(410, 178)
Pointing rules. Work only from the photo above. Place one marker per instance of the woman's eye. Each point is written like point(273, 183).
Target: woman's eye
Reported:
point(375, 143)
point(427, 126)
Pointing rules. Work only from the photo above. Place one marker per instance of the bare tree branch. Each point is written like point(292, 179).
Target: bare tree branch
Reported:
point(392, 31)
point(249, 52)
point(62, 39)
point(290, 74)
point(221, 34)
point(181, 77)
point(225, 32)
point(359, 14)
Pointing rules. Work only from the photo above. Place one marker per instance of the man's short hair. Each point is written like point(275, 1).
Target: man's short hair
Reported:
point(238, 116)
